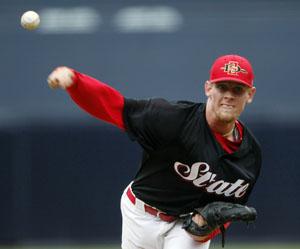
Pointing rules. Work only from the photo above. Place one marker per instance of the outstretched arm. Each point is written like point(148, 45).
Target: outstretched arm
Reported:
point(94, 96)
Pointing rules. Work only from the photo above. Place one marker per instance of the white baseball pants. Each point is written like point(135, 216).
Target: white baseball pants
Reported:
point(141, 230)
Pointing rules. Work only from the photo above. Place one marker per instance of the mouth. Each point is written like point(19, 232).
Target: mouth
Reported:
point(227, 106)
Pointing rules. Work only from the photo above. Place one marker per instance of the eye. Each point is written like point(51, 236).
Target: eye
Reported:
point(222, 87)
point(238, 90)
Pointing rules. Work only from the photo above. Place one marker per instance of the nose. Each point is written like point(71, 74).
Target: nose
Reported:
point(229, 94)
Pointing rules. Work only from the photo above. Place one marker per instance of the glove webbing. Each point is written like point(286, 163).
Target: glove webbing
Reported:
point(216, 215)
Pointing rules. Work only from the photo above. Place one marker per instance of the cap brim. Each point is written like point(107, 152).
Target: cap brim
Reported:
point(232, 80)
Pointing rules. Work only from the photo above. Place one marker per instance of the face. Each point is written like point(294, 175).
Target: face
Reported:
point(227, 100)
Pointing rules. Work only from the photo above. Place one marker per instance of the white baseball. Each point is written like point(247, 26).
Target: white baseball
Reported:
point(30, 20)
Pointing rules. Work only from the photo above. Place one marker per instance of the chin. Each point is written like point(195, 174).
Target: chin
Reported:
point(227, 117)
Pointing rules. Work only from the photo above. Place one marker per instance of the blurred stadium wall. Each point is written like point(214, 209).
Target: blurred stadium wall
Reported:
point(62, 172)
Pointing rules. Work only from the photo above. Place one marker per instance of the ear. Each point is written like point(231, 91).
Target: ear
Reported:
point(207, 88)
point(251, 94)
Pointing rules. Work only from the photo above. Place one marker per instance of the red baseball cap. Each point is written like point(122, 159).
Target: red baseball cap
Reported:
point(232, 68)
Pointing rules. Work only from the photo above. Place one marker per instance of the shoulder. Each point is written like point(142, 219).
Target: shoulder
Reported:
point(187, 104)
point(161, 112)
point(161, 104)
point(156, 122)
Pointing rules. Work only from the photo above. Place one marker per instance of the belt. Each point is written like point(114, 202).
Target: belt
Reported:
point(149, 209)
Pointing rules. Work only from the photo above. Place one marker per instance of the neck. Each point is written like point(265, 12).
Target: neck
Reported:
point(225, 128)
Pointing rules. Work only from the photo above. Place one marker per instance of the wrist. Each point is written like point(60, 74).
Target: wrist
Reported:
point(199, 220)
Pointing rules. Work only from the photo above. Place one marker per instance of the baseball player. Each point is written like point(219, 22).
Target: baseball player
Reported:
point(196, 156)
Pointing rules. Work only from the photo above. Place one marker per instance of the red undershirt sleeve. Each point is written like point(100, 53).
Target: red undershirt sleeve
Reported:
point(98, 99)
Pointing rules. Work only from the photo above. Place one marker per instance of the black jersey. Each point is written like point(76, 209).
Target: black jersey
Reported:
point(183, 165)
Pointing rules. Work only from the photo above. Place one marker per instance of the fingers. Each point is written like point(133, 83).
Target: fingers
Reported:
point(53, 82)
point(61, 77)
point(199, 220)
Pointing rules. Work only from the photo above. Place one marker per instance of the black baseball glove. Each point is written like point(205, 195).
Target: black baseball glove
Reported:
point(216, 214)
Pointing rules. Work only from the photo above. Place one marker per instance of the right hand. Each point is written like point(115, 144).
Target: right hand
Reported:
point(61, 77)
